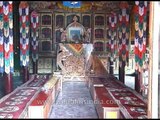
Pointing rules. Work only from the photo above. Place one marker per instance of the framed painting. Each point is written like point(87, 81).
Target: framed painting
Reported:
point(59, 20)
point(46, 32)
point(48, 63)
point(99, 46)
point(46, 46)
point(40, 63)
point(46, 19)
point(99, 20)
point(99, 33)
point(86, 21)
point(75, 34)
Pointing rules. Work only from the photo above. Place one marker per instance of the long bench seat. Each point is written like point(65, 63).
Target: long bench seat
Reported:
point(105, 105)
point(93, 82)
point(41, 105)
point(131, 104)
point(15, 104)
point(18, 103)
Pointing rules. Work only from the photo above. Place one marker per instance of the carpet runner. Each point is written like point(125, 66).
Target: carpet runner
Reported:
point(37, 81)
point(15, 104)
point(131, 105)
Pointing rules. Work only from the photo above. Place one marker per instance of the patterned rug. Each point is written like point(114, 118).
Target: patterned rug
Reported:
point(112, 84)
point(132, 106)
point(37, 81)
point(15, 104)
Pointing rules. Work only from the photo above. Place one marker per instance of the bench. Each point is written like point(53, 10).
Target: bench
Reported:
point(105, 105)
point(93, 82)
point(41, 105)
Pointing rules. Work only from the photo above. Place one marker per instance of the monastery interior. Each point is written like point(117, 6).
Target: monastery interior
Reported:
point(79, 59)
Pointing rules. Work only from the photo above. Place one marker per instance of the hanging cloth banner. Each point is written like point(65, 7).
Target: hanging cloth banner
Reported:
point(112, 35)
point(34, 35)
point(123, 34)
point(1, 39)
point(24, 33)
point(140, 10)
point(8, 36)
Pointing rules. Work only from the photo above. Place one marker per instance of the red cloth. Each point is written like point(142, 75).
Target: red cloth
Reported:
point(134, 107)
point(13, 105)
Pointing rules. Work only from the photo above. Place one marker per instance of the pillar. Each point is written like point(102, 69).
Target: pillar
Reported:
point(35, 67)
point(138, 78)
point(25, 74)
point(111, 66)
point(8, 83)
point(122, 73)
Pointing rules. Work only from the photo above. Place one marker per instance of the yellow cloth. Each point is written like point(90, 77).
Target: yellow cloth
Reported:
point(51, 83)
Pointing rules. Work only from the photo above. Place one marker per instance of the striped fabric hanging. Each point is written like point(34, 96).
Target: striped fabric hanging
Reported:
point(140, 11)
point(34, 35)
point(123, 34)
point(112, 35)
point(8, 36)
point(1, 39)
point(24, 33)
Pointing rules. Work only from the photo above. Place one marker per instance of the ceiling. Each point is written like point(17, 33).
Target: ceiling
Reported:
point(105, 6)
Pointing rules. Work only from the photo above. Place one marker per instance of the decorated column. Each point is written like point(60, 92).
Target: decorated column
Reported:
point(112, 37)
point(140, 10)
point(1, 39)
point(34, 41)
point(24, 38)
point(6, 43)
point(123, 36)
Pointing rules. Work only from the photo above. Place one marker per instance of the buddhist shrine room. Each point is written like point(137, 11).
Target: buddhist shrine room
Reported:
point(79, 59)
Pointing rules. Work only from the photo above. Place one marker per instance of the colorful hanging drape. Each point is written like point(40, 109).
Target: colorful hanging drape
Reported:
point(123, 34)
point(112, 35)
point(8, 36)
point(24, 33)
point(140, 10)
point(34, 35)
point(1, 39)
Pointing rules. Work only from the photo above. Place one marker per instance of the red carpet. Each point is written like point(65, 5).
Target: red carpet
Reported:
point(112, 83)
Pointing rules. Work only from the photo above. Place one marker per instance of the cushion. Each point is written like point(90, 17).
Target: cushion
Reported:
point(50, 83)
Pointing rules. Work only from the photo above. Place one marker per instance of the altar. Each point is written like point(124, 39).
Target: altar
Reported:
point(73, 51)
